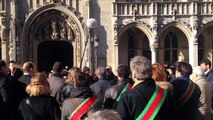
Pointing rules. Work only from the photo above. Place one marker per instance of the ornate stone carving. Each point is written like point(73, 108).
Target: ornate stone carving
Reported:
point(115, 31)
point(12, 37)
point(55, 25)
point(70, 34)
point(154, 33)
point(55, 29)
point(54, 34)
point(127, 21)
point(3, 34)
point(63, 30)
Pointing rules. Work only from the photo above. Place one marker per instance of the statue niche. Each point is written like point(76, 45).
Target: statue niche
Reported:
point(54, 34)
point(54, 30)
point(63, 31)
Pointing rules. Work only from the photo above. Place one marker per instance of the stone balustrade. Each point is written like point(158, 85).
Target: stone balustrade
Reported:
point(162, 8)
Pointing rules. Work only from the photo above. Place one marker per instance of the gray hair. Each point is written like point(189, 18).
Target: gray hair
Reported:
point(141, 67)
point(103, 115)
point(199, 71)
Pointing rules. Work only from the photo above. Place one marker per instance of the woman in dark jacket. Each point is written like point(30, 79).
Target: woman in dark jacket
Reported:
point(79, 94)
point(40, 105)
point(64, 92)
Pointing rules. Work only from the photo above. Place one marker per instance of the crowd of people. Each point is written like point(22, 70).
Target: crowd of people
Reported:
point(140, 91)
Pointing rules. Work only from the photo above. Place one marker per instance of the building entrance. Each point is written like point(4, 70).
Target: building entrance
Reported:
point(51, 51)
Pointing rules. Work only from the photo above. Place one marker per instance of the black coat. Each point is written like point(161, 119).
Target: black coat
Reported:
point(190, 109)
point(99, 88)
point(26, 79)
point(78, 94)
point(64, 92)
point(133, 102)
point(39, 108)
point(7, 99)
point(112, 93)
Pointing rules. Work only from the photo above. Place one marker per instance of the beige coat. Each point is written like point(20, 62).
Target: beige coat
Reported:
point(205, 99)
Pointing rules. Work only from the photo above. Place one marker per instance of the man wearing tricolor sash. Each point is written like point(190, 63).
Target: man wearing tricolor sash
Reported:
point(81, 101)
point(113, 94)
point(145, 100)
point(186, 92)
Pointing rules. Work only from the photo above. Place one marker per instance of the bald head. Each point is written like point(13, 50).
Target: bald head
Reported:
point(29, 67)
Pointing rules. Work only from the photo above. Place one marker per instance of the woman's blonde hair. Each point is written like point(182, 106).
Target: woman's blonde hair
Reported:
point(72, 74)
point(158, 72)
point(39, 85)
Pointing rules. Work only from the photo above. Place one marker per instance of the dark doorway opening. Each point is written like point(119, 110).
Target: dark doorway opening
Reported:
point(51, 51)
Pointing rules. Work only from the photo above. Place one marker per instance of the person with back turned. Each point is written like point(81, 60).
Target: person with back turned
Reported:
point(145, 100)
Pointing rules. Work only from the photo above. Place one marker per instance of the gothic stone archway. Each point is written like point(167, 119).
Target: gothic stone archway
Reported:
point(52, 25)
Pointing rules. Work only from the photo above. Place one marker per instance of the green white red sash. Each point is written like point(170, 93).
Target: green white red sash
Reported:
point(126, 87)
point(185, 97)
point(83, 108)
point(154, 104)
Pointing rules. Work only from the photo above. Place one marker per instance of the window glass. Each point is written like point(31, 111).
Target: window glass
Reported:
point(200, 48)
point(171, 48)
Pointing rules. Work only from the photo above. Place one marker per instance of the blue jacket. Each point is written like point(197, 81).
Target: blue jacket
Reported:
point(209, 77)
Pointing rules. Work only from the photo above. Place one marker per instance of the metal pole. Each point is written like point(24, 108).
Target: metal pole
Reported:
point(83, 54)
point(90, 51)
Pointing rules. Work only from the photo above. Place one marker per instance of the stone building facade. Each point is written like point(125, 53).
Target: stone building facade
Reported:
point(44, 31)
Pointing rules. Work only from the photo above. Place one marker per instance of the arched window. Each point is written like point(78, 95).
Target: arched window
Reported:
point(171, 48)
point(131, 48)
point(200, 48)
point(146, 49)
point(2, 5)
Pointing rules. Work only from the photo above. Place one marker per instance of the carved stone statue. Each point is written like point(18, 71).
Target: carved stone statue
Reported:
point(63, 30)
point(154, 33)
point(69, 34)
point(3, 34)
point(115, 31)
point(11, 50)
point(54, 34)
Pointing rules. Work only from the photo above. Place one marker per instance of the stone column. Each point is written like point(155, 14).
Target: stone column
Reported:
point(193, 51)
point(116, 55)
point(3, 37)
point(154, 41)
point(12, 34)
point(193, 43)
point(153, 48)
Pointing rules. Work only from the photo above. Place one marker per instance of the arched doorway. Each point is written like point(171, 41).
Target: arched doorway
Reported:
point(51, 51)
point(52, 22)
point(133, 42)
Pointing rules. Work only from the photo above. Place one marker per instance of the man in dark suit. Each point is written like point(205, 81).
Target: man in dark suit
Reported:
point(20, 85)
point(28, 69)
